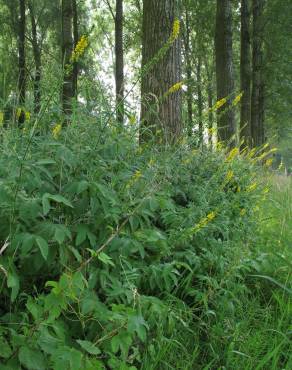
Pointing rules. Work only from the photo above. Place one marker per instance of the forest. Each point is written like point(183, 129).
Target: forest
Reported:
point(145, 184)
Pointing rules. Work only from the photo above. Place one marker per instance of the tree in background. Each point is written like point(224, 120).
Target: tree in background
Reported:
point(76, 39)
point(119, 61)
point(21, 58)
point(37, 58)
point(160, 87)
point(245, 73)
point(257, 98)
point(67, 49)
point(224, 70)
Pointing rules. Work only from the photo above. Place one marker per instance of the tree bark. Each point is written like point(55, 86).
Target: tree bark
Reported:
point(37, 60)
point(160, 110)
point(245, 74)
point(189, 74)
point(209, 72)
point(224, 70)
point(21, 54)
point(119, 69)
point(257, 100)
point(67, 48)
point(200, 99)
point(76, 39)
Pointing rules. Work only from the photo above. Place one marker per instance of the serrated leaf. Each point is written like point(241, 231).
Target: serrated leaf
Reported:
point(89, 347)
point(43, 246)
point(5, 349)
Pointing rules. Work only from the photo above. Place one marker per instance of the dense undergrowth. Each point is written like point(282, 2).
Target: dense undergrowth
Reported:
point(120, 256)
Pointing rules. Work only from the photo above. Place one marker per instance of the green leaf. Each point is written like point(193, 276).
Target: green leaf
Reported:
point(81, 234)
point(56, 198)
point(32, 359)
point(43, 246)
point(89, 347)
point(13, 283)
point(107, 260)
point(136, 323)
point(5, 350)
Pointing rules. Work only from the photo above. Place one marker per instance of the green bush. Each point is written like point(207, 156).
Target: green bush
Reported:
point(106, 246)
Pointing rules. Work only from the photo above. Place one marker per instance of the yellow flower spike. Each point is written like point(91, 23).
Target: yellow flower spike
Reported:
point(27, 116)
point(251, 187)
point(237, 99)
point(229, 175)
point(79, 49)
point(281, 165)
point(132, 120)
point(242, 212)
point(269, 162)
point(56, 130)
point(1, 118)
point(232, 154)
point(18, 112)
point(211, 216)
point(151, 162)
point(266, 190)
point(176, 87)
point(175, 30)
point(219, 104)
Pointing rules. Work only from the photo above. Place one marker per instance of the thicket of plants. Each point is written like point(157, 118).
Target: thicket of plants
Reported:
point(111, 251)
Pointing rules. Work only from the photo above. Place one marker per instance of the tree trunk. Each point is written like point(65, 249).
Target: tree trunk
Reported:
point(257, 100)
point(76, 39)
point(209, 72)
point(189, 74)
point(37, 60)
point(200, 99)
point(160, 110)
point(119, 70)
point(21, 54)
point(245, 74)
point(67, 48)
point(224, 70)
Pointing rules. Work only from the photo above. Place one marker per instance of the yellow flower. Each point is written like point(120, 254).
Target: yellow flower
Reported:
point(203, 222)
point(56, 130)
point(219, 104)
point(137, 175)
point(151, 162)
point(229, 175)
point(176, 87)
point(242, 212)
point(79, 49)
point(269, 162)
point(132, 120)
point(211, 131)
point(211, 216)
point(18, 112)
point(237, 99)
point(232, 154)
point(175, 30)
point(251, 187)
point(266, 190)
point(27, 116)
point(1, 118)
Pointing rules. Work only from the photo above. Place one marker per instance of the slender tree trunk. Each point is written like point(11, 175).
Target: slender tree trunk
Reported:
point(76, 39)
point(37, 60)
point(224, 70)
point(119, 70)
point(257, 100)
point(210, 101)
point(160, 110)
point(200, 99)
point(189, 74)
point(21, 54)
point(245, 73)
point(67, 48)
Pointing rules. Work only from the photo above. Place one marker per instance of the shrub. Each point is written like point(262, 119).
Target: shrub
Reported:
point(106, 245)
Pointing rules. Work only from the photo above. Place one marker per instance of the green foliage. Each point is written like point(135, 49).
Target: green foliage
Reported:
point(110, 246)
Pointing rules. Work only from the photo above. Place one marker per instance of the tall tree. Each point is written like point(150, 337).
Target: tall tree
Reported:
point(188, 57)
point(76, 39)
point(200, 97)
point(21, 54)
point(119, 62)
point(245, 73)
point(160, 109)
point(257, 99)
point(224, 69)
point(37, 58)
point(67, 48)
